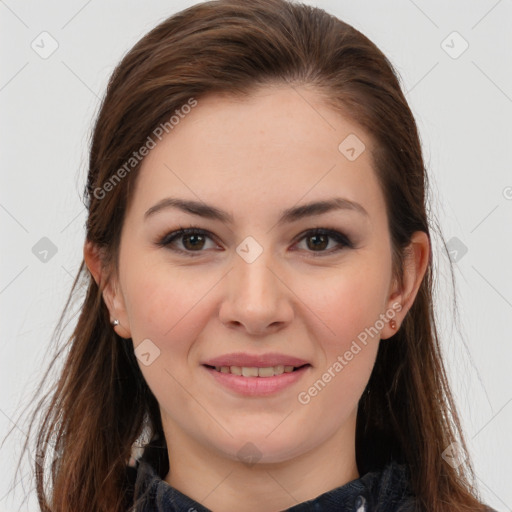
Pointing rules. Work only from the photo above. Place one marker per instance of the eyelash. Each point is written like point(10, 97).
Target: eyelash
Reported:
point(340, 238)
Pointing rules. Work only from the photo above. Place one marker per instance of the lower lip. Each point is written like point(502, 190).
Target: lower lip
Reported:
point(257, 386)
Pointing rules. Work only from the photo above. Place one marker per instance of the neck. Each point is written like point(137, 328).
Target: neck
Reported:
point(221, 483)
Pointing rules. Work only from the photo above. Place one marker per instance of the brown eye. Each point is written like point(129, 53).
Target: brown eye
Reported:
point(187, 241)
point(193, 241)
point(318, 240)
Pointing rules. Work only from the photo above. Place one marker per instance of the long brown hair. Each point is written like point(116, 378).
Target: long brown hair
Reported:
point(101, 404)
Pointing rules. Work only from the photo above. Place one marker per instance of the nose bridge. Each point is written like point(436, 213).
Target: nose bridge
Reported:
point(253, 282)
point(255, 297)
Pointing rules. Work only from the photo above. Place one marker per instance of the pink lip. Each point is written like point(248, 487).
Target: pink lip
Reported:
point(259, 361)
point(257, 386)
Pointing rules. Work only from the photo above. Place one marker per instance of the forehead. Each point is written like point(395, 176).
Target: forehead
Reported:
point(278, 144)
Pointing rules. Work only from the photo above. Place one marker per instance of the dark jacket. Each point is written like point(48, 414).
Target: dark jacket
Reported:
point(377, 491)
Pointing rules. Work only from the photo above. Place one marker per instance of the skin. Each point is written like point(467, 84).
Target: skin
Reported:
point(254, 157)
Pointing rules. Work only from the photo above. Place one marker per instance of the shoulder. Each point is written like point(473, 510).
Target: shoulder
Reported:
point(150, 493)
point(380, 491)
point(385, 490)
point(390, 490)
point(130, 480)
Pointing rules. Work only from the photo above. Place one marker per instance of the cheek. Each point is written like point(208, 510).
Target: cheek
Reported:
point(351, 302)
point(163, 302)
point(168, 307)
point(350, 308)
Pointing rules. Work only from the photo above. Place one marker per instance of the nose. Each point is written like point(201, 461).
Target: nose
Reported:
point(256, 300)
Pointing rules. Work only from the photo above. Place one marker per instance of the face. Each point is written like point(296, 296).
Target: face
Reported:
point(253, 277)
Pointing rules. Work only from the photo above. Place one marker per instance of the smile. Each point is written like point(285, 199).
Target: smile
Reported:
point(256, 381)
point(254, 371)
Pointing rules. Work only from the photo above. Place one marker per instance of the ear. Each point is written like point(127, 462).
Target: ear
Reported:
point(111, 292)
point(417, 256)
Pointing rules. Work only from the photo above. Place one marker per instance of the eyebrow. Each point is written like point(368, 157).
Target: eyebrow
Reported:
point(287, 216)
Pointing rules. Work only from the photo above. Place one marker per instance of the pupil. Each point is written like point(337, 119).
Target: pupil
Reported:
point(321, 245)
point(192, 237)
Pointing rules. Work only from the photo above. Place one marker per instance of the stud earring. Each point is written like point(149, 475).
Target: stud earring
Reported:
point(392, 324)
point(115, 322)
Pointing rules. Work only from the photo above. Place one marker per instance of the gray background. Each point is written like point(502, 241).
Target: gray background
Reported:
point(461, 102)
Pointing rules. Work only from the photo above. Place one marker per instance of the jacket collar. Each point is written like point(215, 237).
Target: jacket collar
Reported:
point(386, 490)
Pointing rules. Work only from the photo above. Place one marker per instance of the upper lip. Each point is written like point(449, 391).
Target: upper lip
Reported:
point(259, 361)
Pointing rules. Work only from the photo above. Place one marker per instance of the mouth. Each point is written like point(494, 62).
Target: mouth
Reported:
point(255, 381)
point(255, 371)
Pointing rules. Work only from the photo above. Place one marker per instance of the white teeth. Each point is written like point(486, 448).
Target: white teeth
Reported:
point(253, 371)
point(249, 372)
point(279, 369)
point(266, 372)
point(234, 369)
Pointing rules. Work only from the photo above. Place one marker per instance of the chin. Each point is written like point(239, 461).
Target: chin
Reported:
point(260, 448)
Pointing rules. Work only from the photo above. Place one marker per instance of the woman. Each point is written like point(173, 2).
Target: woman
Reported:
point(259, 312)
